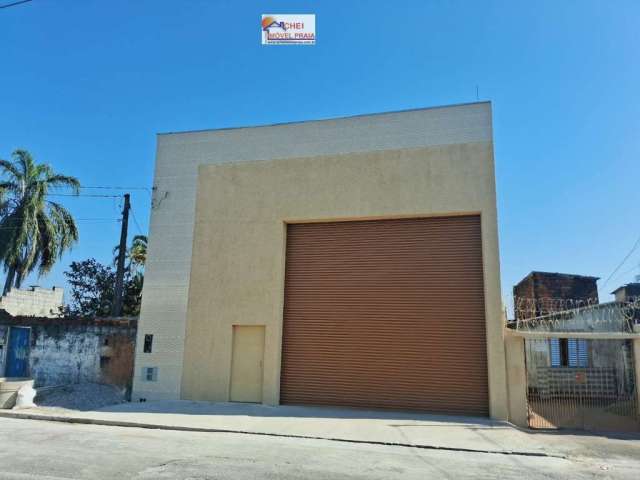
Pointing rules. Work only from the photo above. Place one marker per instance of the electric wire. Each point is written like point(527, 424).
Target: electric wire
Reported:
point(77, 220)
point(105, 187)
point(627, 256)
point(135, 221)
point(94, 195)
point(14, 4)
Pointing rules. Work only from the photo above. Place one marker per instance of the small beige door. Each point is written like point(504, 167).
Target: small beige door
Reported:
point(246, 363)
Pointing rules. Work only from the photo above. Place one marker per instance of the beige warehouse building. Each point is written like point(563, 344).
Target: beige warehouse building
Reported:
point(347, 262)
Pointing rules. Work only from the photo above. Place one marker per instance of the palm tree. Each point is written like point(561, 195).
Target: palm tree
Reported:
point(138, 251)
point(136, 254)
point(34, 231)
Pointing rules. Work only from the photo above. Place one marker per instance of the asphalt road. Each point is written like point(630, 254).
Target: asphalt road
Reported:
point(33, 449)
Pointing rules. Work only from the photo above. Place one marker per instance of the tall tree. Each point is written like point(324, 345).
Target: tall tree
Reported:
point(91, 292)
point(34, 231)
point(92, 289)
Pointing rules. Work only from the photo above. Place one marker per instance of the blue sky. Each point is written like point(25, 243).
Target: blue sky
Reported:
point(86, 85)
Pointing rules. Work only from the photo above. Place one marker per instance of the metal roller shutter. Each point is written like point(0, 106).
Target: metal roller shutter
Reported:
point(386, 313)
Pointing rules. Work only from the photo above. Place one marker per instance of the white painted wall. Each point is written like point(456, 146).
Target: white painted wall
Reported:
point(34, 302)
point(164, 301)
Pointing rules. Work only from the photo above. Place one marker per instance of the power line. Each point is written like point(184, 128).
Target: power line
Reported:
point(104, 187)
point(20, 2)
point(85, 218)
point(633, 249)
point(95, 195)
point(135, 221)
point(98, 219)
point(626, 272)
point(78, 220)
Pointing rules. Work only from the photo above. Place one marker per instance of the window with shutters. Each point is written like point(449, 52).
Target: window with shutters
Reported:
point(569, 352)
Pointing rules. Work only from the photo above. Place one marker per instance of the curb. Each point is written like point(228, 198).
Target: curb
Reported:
point(153, 426)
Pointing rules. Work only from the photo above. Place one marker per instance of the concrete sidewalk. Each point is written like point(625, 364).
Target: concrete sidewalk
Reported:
point(342, 424)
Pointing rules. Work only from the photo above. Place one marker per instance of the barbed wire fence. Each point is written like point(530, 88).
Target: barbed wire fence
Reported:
point(558, 314)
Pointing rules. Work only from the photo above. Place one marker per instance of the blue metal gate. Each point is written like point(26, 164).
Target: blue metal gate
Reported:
point(18, 352)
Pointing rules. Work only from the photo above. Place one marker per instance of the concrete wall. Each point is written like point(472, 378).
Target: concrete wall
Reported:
point(416, 163)
point(603, 317)
point(64, 352)
point(517, 380)
point(34, 302)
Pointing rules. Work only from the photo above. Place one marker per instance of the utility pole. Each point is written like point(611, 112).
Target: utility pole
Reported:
point(116, 308)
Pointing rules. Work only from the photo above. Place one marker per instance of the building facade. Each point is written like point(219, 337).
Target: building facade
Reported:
point(339, 262)
point(627, 293)
point(34, 302)
point(542, 293)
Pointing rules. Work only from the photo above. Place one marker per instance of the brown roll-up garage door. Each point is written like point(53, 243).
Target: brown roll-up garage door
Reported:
point(386, 313)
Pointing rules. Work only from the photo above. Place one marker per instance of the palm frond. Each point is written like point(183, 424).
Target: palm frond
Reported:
point(48, 244)
point(66, 228)
point(10, 228)
point(138, 250)
point(9, 185)
point(41, 171)
point(9, 167)
point(34, 232)
point(64, 181)
point(23, 160)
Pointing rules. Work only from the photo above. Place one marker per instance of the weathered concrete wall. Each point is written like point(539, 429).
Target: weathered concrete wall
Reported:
point(614, 353)
point(35, 302)
point(64, 352)
point(64, 355)
point(167, 273)
point(603, 317)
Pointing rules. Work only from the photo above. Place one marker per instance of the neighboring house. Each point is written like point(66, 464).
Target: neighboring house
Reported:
point(546, 293)
point(581, 356)
point(34, 302)
point(561, 302)
point(351, 261)
point(628, 292)
point(540, 293)
point(610, 317)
